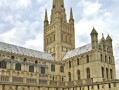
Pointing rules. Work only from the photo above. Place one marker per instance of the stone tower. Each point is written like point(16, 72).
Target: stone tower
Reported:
point(94, 39)
point(58, 33)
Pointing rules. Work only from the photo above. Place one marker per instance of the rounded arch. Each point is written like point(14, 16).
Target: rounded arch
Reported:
point(105, 58)
point(111, 74)
point(101, 57)
point(3, 64)
point(107, 72)
point(88, 72)
point(110, 60)
point(18, 67)
point(53, 67)
point(31, 68)
point(69, 76)
point(53, 78)
point(102, 72)
point(78, 75)
point(87, 58)
point(78, 62)
point(61, 68)
point(69, 64)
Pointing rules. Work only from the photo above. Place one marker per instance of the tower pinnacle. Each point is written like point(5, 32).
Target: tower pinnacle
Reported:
point(71, 14)
point(46, 16)
point(46, 19)
point(94, 31)
point(109, 38)
point(94, 38)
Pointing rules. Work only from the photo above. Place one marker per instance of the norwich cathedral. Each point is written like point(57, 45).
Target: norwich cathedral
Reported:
point(61, 66)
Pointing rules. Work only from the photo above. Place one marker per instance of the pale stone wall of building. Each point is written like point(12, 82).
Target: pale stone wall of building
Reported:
point(95, 64)
point(79, 72)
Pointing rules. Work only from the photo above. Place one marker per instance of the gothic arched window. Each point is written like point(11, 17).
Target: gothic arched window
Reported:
point(69, 76)
point(78, 75)
point(105, 58)
point(69, 64)
point(61, 69)
point(18, 67)
point(78, 61)
point(101, 57)
point(110, 60)
point(88, 73)
point(111, 75)
point(87, 58)
point(31, 68)
point(62, 79)
point(42, 70)
point(102, 72)
point(53, 78)
point(3, 64)
point(53, 68)
point(107, 72)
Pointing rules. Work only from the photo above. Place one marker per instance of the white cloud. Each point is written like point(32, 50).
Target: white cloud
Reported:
point(1, 26)
point(36, 43)
point(20, 33)
point(90, 8)
point(23, 3)
point(15, 4)
point(39, 1)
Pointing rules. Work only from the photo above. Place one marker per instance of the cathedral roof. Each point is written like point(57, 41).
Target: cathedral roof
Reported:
point(78, 51)
point(24, 51)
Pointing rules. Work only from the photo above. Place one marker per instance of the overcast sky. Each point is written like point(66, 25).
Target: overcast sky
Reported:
point(21, 21)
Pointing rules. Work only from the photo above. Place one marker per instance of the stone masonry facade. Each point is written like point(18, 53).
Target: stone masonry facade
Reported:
point(61, 66)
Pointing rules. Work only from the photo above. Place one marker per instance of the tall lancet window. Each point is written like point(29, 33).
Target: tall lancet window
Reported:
point(111, 74)
point(107, 72)
point(69, 76)
point(69, 64)
point(87, 58)
point(102, 72)
point(101, 57)
point(105, 58)
point(78, 75)
point(88, 73)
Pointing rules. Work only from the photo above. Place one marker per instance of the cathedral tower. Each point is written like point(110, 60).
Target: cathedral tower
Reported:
point(58, 33)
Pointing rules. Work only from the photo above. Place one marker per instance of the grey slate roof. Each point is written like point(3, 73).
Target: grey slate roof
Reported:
point(78, 51)
point(24, 51)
